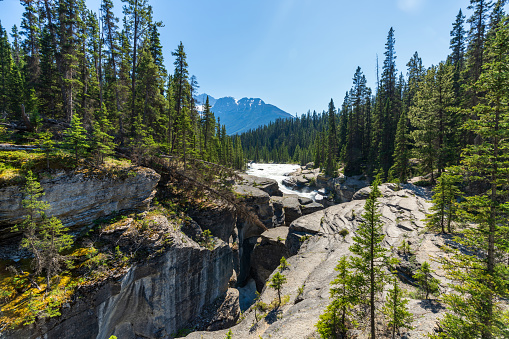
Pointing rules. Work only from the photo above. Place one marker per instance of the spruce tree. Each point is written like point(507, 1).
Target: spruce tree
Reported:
point(332, 141)
point(356, 125)
point(479, 272)
point(276, 282)
point(344, 295)
point(426, 282)
point(76, 138)
point(44, 237)
point(395, 309)
point(5, 69)
point(444, 209)
point(370, 257)
point(457, 46)
point(400, 169)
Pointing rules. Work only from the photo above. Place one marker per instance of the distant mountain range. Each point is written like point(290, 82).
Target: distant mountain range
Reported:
point(244, 114)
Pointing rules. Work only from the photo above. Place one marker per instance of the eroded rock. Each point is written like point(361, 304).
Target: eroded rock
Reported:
point(78, 199)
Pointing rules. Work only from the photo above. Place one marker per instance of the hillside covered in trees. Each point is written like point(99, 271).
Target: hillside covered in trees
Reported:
point(416, 113)
point(108, 73)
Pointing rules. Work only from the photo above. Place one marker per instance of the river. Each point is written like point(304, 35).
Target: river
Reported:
point(277, 172)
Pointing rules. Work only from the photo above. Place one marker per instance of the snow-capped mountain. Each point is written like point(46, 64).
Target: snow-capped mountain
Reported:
point(244, 114)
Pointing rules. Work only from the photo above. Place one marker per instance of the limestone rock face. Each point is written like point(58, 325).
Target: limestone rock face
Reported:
point(259, 202)
point(220, 220)
point(152, 300)
point(79, 199)
point(329, 235)
point(268, 251)
point(292, 210)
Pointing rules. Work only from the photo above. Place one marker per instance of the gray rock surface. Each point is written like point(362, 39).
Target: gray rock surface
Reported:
point(311, 208)
point(79, 199)
point(259, 202)
point(152, 300)
point(270, 186)
point(292, 210)
point(220, 220)
point(268, 251)
point(312, 267)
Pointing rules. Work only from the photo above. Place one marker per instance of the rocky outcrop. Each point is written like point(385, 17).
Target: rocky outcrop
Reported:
point(269, 186)
point(218, 219)
point(259, 202)
point(268, 251)
point(291, 206)
point(340, 189)
point(326, 237)
point(302, 177)
point(78, 199)
point(153, 299)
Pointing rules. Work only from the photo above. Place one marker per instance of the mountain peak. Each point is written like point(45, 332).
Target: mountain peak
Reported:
point(242, 115)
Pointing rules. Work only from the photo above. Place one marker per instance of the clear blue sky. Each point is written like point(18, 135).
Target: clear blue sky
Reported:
point(295, 54)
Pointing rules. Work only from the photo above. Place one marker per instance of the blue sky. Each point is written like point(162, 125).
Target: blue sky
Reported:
point(295, 54)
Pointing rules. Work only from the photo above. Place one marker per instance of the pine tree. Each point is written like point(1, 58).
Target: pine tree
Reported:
point(478, 272)
point(44, 237)
point(344, 294)
point(400, 168)
point(76, 138)
point(370, 256)
point(395, 309)
point(276, 282)
point(332, 141)
point(444, 209)
point(457, 46)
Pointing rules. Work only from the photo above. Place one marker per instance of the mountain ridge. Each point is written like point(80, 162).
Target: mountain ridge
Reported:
point(244, 114)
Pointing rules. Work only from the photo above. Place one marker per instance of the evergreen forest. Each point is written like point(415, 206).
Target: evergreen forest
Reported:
point(67, 64)
point(412, 123)
point(85, 87)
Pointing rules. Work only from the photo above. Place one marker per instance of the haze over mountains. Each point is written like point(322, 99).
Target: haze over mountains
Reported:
point(244, 114)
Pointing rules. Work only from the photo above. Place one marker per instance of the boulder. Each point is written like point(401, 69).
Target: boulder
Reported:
point(220, 220)
point(259, 202)
point(270, 186)
point(305, 201)
point(279, 212)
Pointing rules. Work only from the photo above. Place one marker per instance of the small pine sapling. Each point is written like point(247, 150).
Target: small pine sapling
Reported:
point(427, 283)
point(276, 282)
point(283, 264)
point(444, 209)
point(395, 309)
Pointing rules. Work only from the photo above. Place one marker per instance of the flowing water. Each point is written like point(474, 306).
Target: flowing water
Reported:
point(277, 172)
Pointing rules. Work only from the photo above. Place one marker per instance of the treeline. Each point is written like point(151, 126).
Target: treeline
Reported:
point(66, 60)
point(418, 116)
